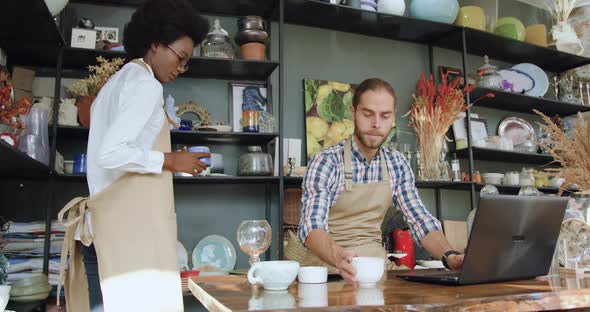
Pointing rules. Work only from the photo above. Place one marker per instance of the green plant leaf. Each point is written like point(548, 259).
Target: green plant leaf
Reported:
point(331, 107)
point(311, 91)
point(347, 100)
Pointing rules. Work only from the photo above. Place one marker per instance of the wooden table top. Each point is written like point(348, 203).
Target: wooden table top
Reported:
point(234, 293)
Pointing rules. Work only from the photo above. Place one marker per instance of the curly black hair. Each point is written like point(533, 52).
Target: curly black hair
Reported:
point(162, 21)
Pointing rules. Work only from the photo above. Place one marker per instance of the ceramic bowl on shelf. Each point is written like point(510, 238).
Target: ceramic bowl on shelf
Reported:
point(492, 178)
point(510, 27)
point(471, 16)
point(442, 11)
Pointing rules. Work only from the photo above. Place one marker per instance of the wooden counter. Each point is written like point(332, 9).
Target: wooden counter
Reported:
point(234, 293)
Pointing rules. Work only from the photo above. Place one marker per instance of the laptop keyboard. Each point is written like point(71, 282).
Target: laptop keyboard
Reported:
point(447, 275)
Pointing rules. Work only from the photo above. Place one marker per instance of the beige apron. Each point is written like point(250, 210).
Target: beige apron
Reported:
point(355, 220)
point(134, 233)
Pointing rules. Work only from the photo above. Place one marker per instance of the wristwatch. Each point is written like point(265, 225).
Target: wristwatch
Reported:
point(446, 256)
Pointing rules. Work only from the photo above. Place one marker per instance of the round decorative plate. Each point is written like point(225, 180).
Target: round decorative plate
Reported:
point(518, 130)
point(520, 80)
point(214, 251)
point(576, 234)
point(182, 256)
point(539, 76)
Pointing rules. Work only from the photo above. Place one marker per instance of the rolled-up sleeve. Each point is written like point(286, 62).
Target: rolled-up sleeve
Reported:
point(317, 197)
point(120, 149)
point(419, 219)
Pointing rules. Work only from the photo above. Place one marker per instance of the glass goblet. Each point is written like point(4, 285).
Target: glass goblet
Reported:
point(254, 237)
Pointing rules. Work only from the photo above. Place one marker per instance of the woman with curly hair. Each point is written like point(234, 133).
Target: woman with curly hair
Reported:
point(126, 230)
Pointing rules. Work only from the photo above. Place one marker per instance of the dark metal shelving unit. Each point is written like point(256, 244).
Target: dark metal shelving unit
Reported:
point(189, 137)
point(489, 154)
point(525, 104)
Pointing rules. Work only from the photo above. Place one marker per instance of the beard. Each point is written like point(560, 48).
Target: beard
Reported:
point(368, 140)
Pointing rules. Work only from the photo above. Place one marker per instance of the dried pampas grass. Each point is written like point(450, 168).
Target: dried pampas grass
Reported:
point(571, 151)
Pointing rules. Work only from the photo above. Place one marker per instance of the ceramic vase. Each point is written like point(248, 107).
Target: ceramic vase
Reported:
point(84, 103)
point(443, 11)
point(394, 7)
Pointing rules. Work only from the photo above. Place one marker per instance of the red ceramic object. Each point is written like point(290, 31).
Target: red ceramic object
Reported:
point(403, 243)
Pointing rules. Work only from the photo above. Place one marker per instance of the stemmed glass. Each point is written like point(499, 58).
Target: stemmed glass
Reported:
point(254, 237)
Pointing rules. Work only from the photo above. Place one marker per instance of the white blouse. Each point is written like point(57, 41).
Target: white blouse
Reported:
point(126, 118)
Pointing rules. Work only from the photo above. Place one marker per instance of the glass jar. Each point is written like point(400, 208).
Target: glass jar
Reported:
point(217, 43)
point(255, 163)
point(490, 78)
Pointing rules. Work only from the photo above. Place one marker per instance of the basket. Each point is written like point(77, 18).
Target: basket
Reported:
point(291, 209)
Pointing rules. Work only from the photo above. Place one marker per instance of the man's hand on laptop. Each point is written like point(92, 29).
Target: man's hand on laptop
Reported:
point(456, 262)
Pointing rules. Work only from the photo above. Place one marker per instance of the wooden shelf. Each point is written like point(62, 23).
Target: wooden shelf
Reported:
point(190, 180)
point(76, 61)
point(512, 51)
point(206, 137)
point(28, 23)
point(525, 104)
point(505, 156)
point(14, 163)
point(189, 137)
point(218, 7)
point(320, 14)
point(292, 182)
point(226, 180)
point(444, 185)
point(513, 189)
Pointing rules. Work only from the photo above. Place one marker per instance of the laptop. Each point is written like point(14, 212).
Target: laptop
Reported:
point(512, 238)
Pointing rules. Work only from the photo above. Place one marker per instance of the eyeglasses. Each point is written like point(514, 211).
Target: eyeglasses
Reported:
point(182, 61)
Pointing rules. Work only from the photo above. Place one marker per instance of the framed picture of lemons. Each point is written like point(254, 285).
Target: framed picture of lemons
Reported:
point(328, 119)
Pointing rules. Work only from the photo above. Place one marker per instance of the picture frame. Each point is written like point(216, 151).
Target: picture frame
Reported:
point(454, 74)
point(479, 130)
point(110, 34)
point(262, 101)
point(328, 117)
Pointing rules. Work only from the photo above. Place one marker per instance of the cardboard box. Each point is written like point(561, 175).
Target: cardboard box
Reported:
point(19, 93)
point(83, 38)
point(22, 78)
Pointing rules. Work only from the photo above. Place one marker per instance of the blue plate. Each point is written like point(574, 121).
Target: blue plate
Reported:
point(214, 251)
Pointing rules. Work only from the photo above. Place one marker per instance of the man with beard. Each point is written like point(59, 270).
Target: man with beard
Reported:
point(348, 188)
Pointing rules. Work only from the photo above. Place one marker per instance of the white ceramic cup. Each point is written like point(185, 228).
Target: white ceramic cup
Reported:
point(313, 295)
point(68, 166)
point(369, 296)
point(369, 270)
point(313, 275)
point(4, 296)
point(273, 275)
point(272, 300)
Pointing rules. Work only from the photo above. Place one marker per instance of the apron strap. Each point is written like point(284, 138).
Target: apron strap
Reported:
point(348, 164)
point(385, 176)
point(75, 216)
point(145, 66)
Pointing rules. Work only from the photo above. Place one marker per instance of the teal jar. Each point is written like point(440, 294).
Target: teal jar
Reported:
point(444, 11)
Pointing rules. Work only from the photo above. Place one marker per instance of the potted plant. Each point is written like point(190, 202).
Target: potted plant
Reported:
point(86, 90)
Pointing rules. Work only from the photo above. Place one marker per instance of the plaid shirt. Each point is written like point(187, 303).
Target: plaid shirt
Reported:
point(324, 182)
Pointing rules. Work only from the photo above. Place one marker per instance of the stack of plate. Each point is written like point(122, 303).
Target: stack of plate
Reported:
point(33, 288)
